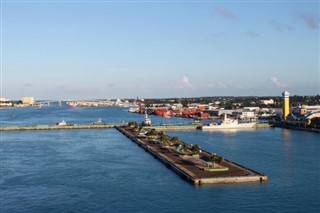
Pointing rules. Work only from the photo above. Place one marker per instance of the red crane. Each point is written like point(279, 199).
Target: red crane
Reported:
point(139, 105)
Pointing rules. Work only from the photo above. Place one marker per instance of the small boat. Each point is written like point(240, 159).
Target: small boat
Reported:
point(228, 123)
point(134, 109)
point(98, 122)
point(73, 104)
point(62, 123)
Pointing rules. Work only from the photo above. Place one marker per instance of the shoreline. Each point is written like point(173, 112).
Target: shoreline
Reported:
point(287, 126)
point(57, 127)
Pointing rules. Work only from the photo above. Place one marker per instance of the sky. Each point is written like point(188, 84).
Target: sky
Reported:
point(60, 50)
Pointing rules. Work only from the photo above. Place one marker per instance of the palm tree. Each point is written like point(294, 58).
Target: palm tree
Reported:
point(215, 159)
point(195, 149)
point(175, 139)
point(184, 147)
point(164, 138)
point(133, 124)
point(152, 133)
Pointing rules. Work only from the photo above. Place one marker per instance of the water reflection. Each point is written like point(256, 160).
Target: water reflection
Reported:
point(286, 135)
point(230, 132)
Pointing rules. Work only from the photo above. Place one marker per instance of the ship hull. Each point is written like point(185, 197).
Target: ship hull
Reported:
point(237, 126)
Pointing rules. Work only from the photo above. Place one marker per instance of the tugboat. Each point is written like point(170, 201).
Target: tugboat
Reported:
point(147, 120)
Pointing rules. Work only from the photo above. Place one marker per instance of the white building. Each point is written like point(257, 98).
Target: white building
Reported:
point(315, 108)
point(252, 108)
point(28, 100)
point(267, 102)
point(305, 109)
point(247, 115)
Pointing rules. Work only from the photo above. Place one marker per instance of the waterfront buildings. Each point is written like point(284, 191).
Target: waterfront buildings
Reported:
point(302, 109)
point(5, 103)
point(28, 100)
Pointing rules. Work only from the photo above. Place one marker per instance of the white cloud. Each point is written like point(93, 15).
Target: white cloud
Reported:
point(275, 82)
point(184, 82)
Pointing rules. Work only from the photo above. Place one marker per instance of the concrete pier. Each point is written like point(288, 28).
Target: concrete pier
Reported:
point(168, 127)
point(191, 168)
point(55, 127)
point(164, 127)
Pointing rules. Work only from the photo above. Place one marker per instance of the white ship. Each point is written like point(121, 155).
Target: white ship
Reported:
point(228, 124)
point(134, 109)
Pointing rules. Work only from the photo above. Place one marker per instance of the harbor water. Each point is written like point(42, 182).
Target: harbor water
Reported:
point(100, 170)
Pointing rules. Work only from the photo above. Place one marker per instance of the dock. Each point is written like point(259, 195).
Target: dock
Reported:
point(57, 127)
point(175, 127)
point(193, 167)
point(163, 127)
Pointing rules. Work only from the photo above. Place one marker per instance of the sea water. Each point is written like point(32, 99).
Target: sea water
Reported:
point(100, 170)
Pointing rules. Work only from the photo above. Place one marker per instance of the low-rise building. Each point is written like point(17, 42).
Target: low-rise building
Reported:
point(219, 112)
point(315, 108)
point(252, 108)
point(6, 104)
point(306, 118)
point(267, 102)
point(244, 114)
point(305, 109)
point(247, 115)
point(28, 100)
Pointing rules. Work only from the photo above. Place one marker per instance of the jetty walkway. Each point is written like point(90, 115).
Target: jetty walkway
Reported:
point(163, 127)
point(193, 168)
point(92, 126)
point(56, 127)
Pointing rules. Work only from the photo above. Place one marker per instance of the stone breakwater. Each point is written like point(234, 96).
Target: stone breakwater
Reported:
point(193, 168)
point(56, 127)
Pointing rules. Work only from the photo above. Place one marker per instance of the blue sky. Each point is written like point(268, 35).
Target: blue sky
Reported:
point(153, 49)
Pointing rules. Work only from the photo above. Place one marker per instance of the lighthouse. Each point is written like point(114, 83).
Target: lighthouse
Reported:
point(286, 106)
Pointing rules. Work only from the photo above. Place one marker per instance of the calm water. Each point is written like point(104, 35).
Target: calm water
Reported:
point(103, 171)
